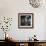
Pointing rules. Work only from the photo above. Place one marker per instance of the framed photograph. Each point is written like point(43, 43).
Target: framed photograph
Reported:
point(25, 20)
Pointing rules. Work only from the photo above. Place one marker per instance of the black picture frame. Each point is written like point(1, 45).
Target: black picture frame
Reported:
point(25, 20)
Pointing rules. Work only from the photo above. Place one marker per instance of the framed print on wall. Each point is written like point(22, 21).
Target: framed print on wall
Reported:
point(25, 20)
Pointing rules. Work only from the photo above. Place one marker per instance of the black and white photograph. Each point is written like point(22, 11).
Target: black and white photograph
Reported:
point(25, 20)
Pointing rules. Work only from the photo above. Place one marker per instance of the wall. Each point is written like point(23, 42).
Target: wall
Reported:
point(11, 8)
